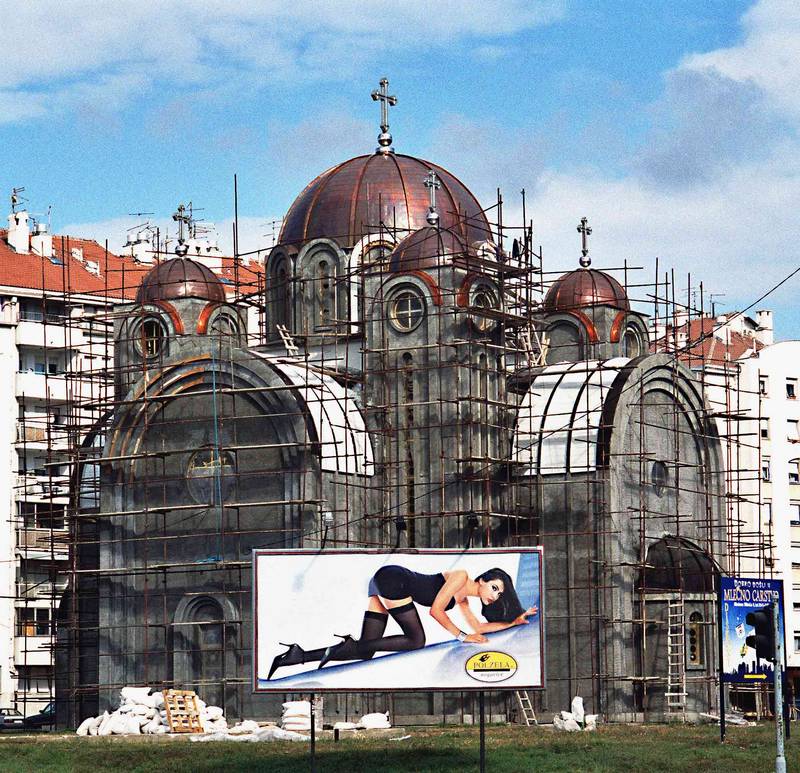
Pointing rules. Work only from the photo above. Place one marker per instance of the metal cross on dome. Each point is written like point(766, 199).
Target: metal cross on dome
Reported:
point(386, 100)
point(432, 182)
point(585, 229)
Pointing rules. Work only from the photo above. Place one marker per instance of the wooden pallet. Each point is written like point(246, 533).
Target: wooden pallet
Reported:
point(183, 715)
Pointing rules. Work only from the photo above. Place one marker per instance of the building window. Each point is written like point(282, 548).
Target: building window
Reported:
point(660, 477)
point(406, 310)
point(765, 469)
point(150, 337)
point(765, 429)
point(794, 471)
point(763, 386)
point(35, 621)
point(483, 300)
point(794, 513)
point(40, 515)
point(791, 388)
point(210, 476)
point(631, 343)
point(797, 641)
point(223, 325)
point(695, 642)
point(767, 505)
point(36, 679)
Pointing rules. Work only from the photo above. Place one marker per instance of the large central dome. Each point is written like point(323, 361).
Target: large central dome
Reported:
point(352, 199)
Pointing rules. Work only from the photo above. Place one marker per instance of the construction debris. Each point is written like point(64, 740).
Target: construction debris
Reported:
point(575, 720)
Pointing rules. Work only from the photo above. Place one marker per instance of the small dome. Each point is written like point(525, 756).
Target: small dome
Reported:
point(428, 247)
point(352, 199)
point(180, 278)
point(585, 287)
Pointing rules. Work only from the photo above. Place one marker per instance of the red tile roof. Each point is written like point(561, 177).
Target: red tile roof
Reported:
point(704, 341)
point(119, 276)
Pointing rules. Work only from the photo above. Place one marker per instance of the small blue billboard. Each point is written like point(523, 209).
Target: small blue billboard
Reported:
point(740, 596)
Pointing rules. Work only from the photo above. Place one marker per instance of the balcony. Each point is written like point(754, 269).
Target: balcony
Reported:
point(32, 591)
point(34, 651)
point(53, 542)
point(42, 487)
point(34, 433)
point(41, 387)
point(52, 335)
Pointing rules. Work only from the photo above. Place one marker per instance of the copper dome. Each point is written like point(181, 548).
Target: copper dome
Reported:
point(180, 278)
point(585, 287)
point(426, 248)
point(352, 199)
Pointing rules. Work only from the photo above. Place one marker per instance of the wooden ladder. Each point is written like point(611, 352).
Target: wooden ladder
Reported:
point(676, 658)
point(526, 707)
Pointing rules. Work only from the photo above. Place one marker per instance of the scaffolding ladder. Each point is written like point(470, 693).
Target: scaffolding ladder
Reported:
point(526, 707)
point(676, 658)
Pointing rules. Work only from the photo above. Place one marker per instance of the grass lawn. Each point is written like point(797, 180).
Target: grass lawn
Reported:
point(509, 749)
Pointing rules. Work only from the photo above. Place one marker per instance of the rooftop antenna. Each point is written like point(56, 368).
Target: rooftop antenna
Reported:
point(383, 96)
point(584, 229)
point(16, 199)
point(712, 297)
point(140, 214)
point(431, 182)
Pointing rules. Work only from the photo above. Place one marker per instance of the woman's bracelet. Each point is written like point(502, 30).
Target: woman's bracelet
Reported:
point(462, 636)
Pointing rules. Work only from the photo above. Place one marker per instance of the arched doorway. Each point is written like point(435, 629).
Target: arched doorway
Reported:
point(676, 604)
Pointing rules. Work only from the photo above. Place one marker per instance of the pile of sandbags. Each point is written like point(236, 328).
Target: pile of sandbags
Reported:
point(142, 711)
point(375, 721)
point(296, 716)
point(575, 720)
point(237, 733)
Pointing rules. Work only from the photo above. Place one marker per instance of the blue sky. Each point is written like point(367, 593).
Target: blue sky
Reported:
point(673, 126)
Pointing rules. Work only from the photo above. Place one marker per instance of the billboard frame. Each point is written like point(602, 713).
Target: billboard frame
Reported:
point(414, 551)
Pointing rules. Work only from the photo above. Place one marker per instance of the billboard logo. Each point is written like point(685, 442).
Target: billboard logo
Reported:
point(491, 666)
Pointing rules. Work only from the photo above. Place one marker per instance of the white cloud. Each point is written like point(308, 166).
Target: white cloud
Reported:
point(767, 56)
point(55, 49)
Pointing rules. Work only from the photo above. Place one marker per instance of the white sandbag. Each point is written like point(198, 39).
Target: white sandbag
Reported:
point(244, 728)
point(126, 708)
point(567, 715)
point(83, 728)
point(118, 725)
point(375, 721)
point(151, 727)
point(159, 729)
point(140, 695)
point(212, 712)
point(344, 726)
point(297, 707)
point(297, 726)
point(278, 734)
point(201, 705)
point(105, 722)
point(140, 710)
point(591, 722)
point(577, 709)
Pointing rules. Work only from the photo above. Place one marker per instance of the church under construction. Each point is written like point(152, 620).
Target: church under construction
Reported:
point(401, 372)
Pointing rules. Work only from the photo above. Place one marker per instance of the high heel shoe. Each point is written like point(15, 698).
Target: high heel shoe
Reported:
point(335, 649)
point(294, 656)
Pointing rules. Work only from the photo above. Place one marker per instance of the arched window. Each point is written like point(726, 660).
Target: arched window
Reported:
point(324, 295)
point(631, 343)
point(210, 475)
point(150, 337)
point(564, 343)
point(224, 325)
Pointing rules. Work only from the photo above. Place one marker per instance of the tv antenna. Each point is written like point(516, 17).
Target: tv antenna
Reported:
point(16, 199)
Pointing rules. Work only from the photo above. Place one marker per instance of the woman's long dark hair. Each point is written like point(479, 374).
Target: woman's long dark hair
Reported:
point(507, 607)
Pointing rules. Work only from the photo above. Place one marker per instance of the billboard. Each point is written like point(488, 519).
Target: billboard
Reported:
point(358, 620)
point(740, 596)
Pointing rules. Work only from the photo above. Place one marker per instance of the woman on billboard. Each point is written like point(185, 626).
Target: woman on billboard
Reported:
point(395, 590)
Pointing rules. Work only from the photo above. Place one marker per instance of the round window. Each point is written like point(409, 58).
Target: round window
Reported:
point(210, 475)
point(150, 337)
point(660, 477)
point(406, 310)
point(483, 299)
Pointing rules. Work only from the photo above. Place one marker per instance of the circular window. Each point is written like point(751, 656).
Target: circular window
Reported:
point(150, 337)
point(406, 310)
point(631, 343)
point(659, 476)
point(210, 475)
point(483, 298)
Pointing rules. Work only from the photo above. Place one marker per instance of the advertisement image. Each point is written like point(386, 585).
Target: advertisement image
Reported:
point(367, 620)
point(740, 596)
